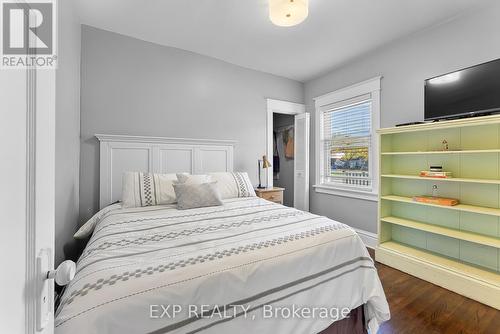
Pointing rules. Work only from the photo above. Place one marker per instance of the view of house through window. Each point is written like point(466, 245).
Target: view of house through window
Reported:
point(347, 144)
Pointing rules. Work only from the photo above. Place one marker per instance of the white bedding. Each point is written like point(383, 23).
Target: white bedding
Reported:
point(250, 253)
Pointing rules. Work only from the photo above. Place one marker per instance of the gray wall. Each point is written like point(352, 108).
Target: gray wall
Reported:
point(67, 131)
point(286, 179)
point(139, 88)
point(405, 64)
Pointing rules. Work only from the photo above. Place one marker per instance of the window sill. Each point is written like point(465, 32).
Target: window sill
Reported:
point(351, 193)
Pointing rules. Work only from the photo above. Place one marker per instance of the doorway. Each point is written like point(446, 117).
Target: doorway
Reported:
point(290, 155)
point(283, 155)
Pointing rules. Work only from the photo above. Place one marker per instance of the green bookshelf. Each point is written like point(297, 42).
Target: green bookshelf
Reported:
point(456, 247)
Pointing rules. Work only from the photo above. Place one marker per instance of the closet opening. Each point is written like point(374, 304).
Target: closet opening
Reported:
point(288, 131)
point(283, 155)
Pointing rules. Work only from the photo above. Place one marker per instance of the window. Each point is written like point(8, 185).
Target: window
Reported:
point(346, 121)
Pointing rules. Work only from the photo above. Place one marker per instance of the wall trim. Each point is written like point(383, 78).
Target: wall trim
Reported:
point(285, 107)
point(359, 88)
point(162, 140)
point(370, 239)
point(346, 192)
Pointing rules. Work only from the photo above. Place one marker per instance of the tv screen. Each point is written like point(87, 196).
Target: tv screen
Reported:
point(471, 91)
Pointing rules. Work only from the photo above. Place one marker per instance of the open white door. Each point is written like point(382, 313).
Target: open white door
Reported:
point(301, 162)
point(13, 199)
point(27, 146)
point(27, 211)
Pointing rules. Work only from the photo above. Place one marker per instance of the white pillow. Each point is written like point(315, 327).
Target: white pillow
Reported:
point(147, 189)
point(193, 179)
point(233, 185)
point(86, 229)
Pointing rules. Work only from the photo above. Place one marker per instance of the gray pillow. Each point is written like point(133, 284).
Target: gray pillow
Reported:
point(190, 196)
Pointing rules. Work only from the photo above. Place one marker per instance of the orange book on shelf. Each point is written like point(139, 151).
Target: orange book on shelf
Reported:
point(437, 175)
point(436, 200)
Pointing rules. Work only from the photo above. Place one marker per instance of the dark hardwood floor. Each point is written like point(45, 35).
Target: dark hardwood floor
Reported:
point(418, 307)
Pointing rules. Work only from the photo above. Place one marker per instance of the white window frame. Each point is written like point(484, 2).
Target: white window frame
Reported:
point(372, 87)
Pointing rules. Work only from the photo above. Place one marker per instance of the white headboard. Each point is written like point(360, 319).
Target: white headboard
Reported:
point(120, 154)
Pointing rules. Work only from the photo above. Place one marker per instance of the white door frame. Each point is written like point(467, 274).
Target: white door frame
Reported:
point(278, 107)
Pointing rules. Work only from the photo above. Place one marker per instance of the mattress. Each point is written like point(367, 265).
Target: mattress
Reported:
point(247, 266)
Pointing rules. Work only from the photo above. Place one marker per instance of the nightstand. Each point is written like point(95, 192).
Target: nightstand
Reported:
point(271, 194)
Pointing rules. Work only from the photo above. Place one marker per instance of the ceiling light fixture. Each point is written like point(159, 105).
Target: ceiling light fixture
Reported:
point(287, 13)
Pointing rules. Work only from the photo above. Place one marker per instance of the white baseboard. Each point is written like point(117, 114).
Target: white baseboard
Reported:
point(370, 239)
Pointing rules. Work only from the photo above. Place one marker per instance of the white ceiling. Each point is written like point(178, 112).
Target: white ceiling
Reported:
point(239, 31)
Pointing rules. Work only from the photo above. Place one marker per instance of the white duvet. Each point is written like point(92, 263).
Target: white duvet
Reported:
point(250, 266)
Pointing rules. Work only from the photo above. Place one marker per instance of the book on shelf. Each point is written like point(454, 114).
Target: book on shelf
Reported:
point(436, 200)
point(439, 175)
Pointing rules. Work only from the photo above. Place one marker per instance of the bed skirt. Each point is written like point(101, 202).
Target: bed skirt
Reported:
point(354, 324)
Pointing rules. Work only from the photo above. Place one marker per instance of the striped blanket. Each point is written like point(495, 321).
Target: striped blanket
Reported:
point(244, 267)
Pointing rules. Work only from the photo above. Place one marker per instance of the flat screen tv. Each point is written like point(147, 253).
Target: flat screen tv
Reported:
point(469, 92)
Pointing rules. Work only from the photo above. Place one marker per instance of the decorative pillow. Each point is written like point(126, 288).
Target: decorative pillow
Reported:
point(146, 189)
point(190, 196)
point(233, 185)
point(193, 179)
point(86, 229)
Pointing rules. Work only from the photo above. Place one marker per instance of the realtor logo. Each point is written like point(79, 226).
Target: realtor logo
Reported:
point(28, 34)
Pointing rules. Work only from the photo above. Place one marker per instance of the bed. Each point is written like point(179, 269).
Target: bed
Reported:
point(247, 266)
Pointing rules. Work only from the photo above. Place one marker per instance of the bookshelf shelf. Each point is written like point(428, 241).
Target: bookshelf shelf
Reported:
point(447, 263)
point(442, 152)
point(460, 207)
point(456, 247)
point(462, 235)
point(450, 179)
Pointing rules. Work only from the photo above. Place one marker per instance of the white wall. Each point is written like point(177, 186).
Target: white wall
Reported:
point(67, 131)
point(405, 64)
point(139, 88)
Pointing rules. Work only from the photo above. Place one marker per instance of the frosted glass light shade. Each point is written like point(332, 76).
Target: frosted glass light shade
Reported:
point(287, 13)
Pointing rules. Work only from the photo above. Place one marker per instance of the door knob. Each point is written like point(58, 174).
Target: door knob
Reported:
point(64, 273)
point(45, 296)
